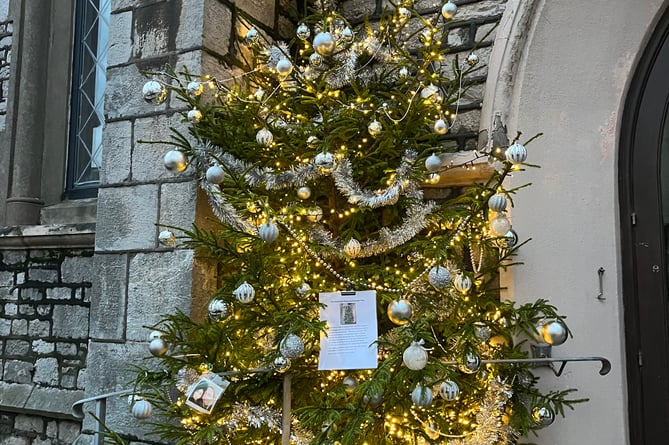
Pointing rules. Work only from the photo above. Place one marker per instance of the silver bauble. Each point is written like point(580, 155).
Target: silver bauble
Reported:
point(244, 293)
point(142, 409)
point(291, 346)
point(155, 334)
point(462, 283)
point(175, 161)
point(350, 383)
point(439, 277)
point(433, 163)
point(268, 232)
point(449, 390)
point(415, 356)
point(314, 214)
point(516, 153)
point(554, 332)
point(215, 174)
point(399, 312)
point(470, 363)
point(259, 94)
point(315, 60)
point(449, 10)
point(194, 116)
point(251, 36)
point(543, 416)
point(194, 88)
point(264, 137)
point(218, 310)
point(352, 248)
point(440, 126)
point(500, 225)
point(375, 128)
point(304, 192)
point(302, 32)
point(433, 178)
point(346, 35)
point(167, 238)
point(312, 141)
point(472, 59)
point(372, 398)
point(403, 72)
point(154, 92)
point(431, 92)
point(482, 331)
point(325, 162)
point(158, 347)
point(404, 13)
point(497, 202)
point(284, 67)
point(324, 44)
point(422, 396)
point(509, 241)
point(281, 363)
point(303, 289)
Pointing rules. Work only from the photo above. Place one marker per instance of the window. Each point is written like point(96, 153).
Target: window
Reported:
point(87, 98)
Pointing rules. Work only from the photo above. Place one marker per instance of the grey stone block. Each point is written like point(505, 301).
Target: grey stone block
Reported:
point(261, 10)
point(5, 327)
point(217, 29)
point(108, 297)
point(76, 269)
point(11, 309)
point(127, 217)
point(68, 431)
point(52, 429)
point(13, 395)
point(54, 402)
point(31, 293)
point(158, 284)
point(44, 310)
point(155, 28)
point(59, 293)
point(68, 349)
point(20, 327)
point(70, 321)
point(6, 279)
point(39, 328)
point(18, 372)
point(177, 204)
point(26, 309)
point(17, 347)
point(191, 23)
point(15, 440)
point(43, 275)
point(42, 347)
point(117, 140)
point(31, 424)
point(46, 371)
point(120, 38)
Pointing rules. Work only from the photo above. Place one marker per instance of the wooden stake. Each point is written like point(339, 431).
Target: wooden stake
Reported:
point(285, 415)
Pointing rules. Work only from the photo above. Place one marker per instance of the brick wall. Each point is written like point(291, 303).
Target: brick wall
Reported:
point(22, 429)
point(6, 28)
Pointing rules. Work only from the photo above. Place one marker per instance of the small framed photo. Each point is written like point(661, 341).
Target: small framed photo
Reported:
point(203, 395)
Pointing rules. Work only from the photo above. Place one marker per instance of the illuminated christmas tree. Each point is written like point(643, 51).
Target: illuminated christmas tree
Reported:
point(351, 309)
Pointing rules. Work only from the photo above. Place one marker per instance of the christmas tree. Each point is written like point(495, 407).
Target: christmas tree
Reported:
point(351, 309)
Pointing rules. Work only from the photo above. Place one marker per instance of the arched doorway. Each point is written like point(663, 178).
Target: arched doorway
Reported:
point(644, 204)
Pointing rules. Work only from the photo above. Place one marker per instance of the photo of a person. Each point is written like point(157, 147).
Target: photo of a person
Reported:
point(203, 395)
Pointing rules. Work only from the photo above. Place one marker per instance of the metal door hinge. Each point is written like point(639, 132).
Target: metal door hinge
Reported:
point(639, 358)
point(633, 216)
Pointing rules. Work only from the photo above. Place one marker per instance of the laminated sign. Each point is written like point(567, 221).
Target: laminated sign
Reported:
point(349, 340)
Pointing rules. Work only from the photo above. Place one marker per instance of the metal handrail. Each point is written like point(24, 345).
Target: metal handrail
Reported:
point(100, 412)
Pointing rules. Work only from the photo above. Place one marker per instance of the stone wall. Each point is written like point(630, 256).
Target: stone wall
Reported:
point(22, 429)
point(6, 28)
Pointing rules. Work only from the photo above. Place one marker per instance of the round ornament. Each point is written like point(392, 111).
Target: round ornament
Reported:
point(167, 238)
point(554, 332)
point(431, 92)
point(472, 59)
point(315, 60)
point(175, 161)
point(194, 116)
point(399, 312)
point(304, 192)
point(510, 239)
point(404, 13)
point(422, 396)
point(264, 137)
point(482, 331)
point(284, 67)
point(440, 126)
point(350, 382)
point(415, 356)
point(218, 310)
point(291, 347)
point(470, 363)
point(449, 10)
point(375, 128)
point(142, 409)
point(312, 141)
point(500, 225)
point(433, 163)
point(302, 32)
point(303, 289)
point(372, 398)
point(325, 161)
point(352, 248)
point(154, 92)
point(449, 390)
point(259, 94)
point(516, 153)
point(497, 202)
point(281, 363)
point(346, 35)
point(462, 283)
point(158, 347)
point(215, 174)
point(403, 72)
point(433, 178)
point(251, 36)
point(268, 232)
point(194, 88)
point(543, 416)
point(432, 431)
point(324, 44)
point(314, 214)
point(155, 334)
point(439, 277)
point(244, 293)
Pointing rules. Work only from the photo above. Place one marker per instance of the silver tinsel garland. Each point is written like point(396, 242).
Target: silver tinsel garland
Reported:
point(262, 416)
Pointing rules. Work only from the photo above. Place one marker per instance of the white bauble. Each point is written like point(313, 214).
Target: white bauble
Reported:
point(462, 283)
point(500, 225)
point(215, 174)
point(251, 36)
point(268, 232)
point(314, 214)
point(264, 137)
point(431, 92)
point(154, 92)
point(142, 409)
point(422, 396)
point(352, 248)
point(375, 128)
point(433, 163)
point(439, 277)
point(194, 88)
point(449, 390)
point(415, 356)
point(167, 238)
point(175, 161)
point(516, 153)
point(194, 116)
point(497, 202)
point(244, 293)
point(449, 10)
point(158, 347)
point(324, 44)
